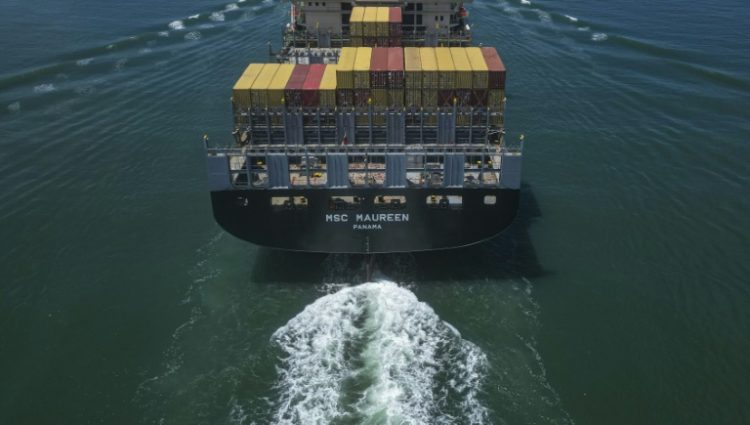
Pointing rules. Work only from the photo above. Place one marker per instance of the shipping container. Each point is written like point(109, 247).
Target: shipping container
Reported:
point(446, 68)
point(382, 24)
point(395, 98)
point(369, 22)
point(395, 67)
point(429, 98)
point(311, 87)
point(259, 89)
point(429, 68)
point(278, 84)
point(293, 89)
point(328, 87)
point(379, 68)
point(356, 41)
point(412, 68)
point(496, 99)
point(413, 97)
point(362, 68)
point(345, 68)
point(496, 68)
point(394, 41)
point(464, 97)
point(355, 21)
point(241, 90)
point(394, 22)
point(345, 98)
point(362, 97)
point(380, 97)
point(446, 97)
point(479, 97)
point(463, 67)
point(478, 67)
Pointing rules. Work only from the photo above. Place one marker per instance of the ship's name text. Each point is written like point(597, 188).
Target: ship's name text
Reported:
point(367, 218)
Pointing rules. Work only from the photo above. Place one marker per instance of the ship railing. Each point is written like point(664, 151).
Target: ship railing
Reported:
point(370, 125)
point(370, 166)
point(417, 38)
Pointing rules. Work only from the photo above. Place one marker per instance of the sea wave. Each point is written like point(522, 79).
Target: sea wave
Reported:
point(375, 353)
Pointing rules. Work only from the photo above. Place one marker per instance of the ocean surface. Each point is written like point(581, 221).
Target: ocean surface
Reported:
point(620, 295)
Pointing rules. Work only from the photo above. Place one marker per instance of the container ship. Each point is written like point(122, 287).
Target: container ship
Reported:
point(377, 127)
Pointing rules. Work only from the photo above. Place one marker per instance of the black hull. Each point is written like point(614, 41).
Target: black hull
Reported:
point(316, 227)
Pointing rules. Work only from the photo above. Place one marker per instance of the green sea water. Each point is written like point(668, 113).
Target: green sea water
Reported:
point(619, 296)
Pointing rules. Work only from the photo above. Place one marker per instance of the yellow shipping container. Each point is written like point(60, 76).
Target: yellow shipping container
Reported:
point(327, 88)
point(381, 26)
point(241, 90)
point(478, 67)
point(446, 69)
point(259, 89)
point(362, 68)
point(463, 67)
point(345, 68)
point(356, 41)
point(278, 84)
point(370, 22)
point(355, 21)
point(412, 68)
point(429, 68)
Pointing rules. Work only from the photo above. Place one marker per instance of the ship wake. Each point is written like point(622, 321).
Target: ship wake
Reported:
point(373, 353)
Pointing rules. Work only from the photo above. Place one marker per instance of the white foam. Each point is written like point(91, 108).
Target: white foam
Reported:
point(230, 7)
point(14, 107)
point(193, 35)
point(145, 51)
point(44, 88)
point(163, 33)
point(241, 1)
point(217, 17)
point(177, 25)
point(599, 36)
point(526, 2)
point(196, 16)
point(583, 28)
point(544, 16)
point(381, 340)
point(571, 18)
point(84, 62)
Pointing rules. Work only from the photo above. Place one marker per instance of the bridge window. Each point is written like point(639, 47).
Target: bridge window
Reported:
point(280, 203)
point(447, 202)
point(390, 202)
point(339, 203)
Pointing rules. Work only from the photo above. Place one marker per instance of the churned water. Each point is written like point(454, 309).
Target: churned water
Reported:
point(620, 295)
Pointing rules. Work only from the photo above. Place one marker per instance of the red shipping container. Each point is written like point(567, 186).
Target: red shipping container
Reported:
point(293, 89)
point(395, 67)
point(379, 68)
point(495, 66)
point(310, 93)
point(394, 21)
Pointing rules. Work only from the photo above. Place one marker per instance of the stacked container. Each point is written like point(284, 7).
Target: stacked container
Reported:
point(395, 76)
point(446, 76)
point(259, 89)
point(394, 26)
point(293, 92)
point(328, 87)
point(479, 78)
point(356, 30)
point(430, 82)
point(412, 77)
point(311, 86)
point(496, 81)
point(345, 77)
point(241, 90)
